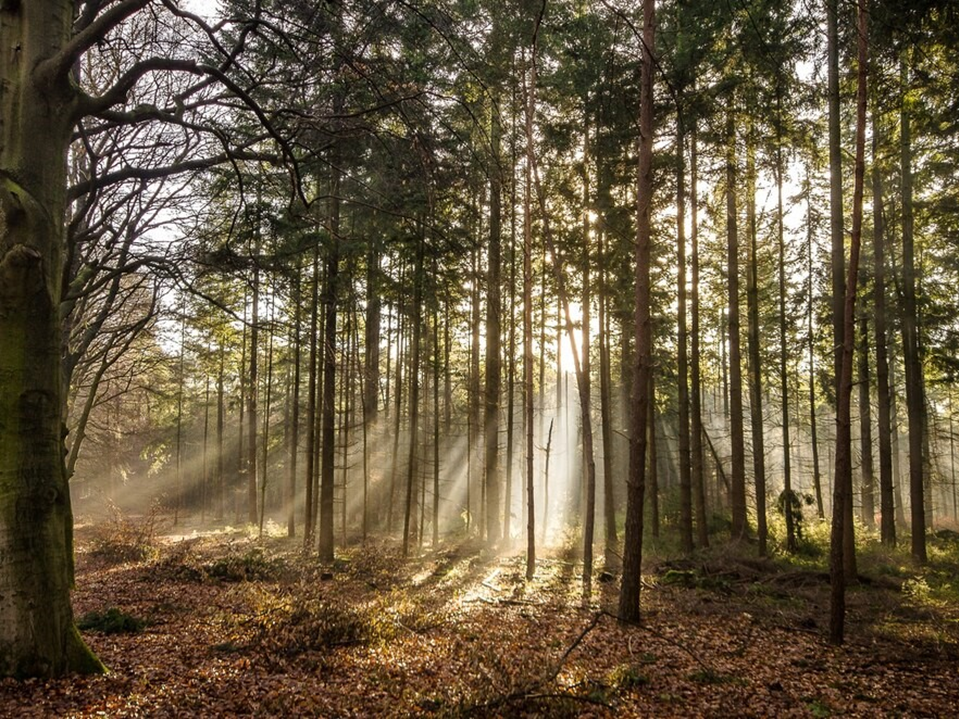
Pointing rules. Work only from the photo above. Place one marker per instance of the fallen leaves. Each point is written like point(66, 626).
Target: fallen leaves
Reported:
point(234, 627)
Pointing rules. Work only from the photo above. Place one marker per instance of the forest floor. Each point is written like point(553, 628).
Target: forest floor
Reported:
point(225, 624)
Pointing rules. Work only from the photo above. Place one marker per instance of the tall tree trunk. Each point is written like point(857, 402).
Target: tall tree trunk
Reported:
point(884, 399)
point(38, 109)
point(241, 425)
point(915, 400)
point(685, 469)
point(268, 401)
point(783, 349)
point(753, 348)
point(511, 351)
point(410, 530)
point(220, 442)
point(374, 305)
point(473, 420)
point(294, 411)
point(697, 464)
point(436, 418)
point(493, 322)
point(180, 379)
point(738, 470)
point(251, 397)
point(205, 454)
point(328, 431)
point(606, 412)
point(528, 316)
point(813, 429)
point(311, 413)
point(865, 426)
point(642, 361)
point(397, 424)
point(652, 470)
point(837, 236)
point(839, 568)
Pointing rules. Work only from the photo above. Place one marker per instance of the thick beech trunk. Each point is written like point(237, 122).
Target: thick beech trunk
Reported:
point(37, 112)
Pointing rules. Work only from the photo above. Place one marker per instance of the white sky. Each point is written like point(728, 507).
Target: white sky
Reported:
point(205, 8)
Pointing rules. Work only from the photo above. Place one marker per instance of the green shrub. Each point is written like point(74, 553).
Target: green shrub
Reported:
point(250, 566)
point(111, 621)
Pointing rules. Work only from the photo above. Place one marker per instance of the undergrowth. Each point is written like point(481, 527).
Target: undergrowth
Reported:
point(122, 538)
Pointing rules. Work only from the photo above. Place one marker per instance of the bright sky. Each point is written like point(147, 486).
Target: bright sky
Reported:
point(206, 8)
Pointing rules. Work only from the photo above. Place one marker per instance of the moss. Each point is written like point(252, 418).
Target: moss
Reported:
point(80, 658)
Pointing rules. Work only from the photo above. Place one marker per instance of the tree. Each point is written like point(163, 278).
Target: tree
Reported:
point(40, 104)
point(642, 369)
point(842, 483)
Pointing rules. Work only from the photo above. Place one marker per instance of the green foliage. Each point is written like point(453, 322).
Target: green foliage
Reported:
point(111, 621)
point(626, 676)
point(252, 565)
point(708, 676)
point(818, 708)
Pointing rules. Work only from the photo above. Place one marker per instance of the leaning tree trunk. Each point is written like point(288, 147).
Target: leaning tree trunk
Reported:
point(37, 110)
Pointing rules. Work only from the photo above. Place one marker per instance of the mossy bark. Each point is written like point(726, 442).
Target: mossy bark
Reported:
point(37, 110)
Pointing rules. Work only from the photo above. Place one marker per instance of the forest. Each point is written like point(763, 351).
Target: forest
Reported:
point(478, 358)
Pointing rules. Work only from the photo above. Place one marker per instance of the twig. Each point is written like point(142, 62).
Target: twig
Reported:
point(530, 691)
point(582, 635)
point(574, 697)
point(706, 668)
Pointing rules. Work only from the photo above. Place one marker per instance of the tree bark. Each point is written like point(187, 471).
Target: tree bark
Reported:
point(753, 341)
point(37, 111)
point(642, 359)
point(328, 406)
point(738, 469)
point(783, 349)
point(528, 317)
point(887, 520)
point(865, 426)
point(839, 567)
point(915, 401)
point(697, 464)
point(294, 410)
point(493, 322)
point(685, 470)
point(410, 530)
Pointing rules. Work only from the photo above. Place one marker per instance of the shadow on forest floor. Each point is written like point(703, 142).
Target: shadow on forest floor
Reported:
point(224, 623)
